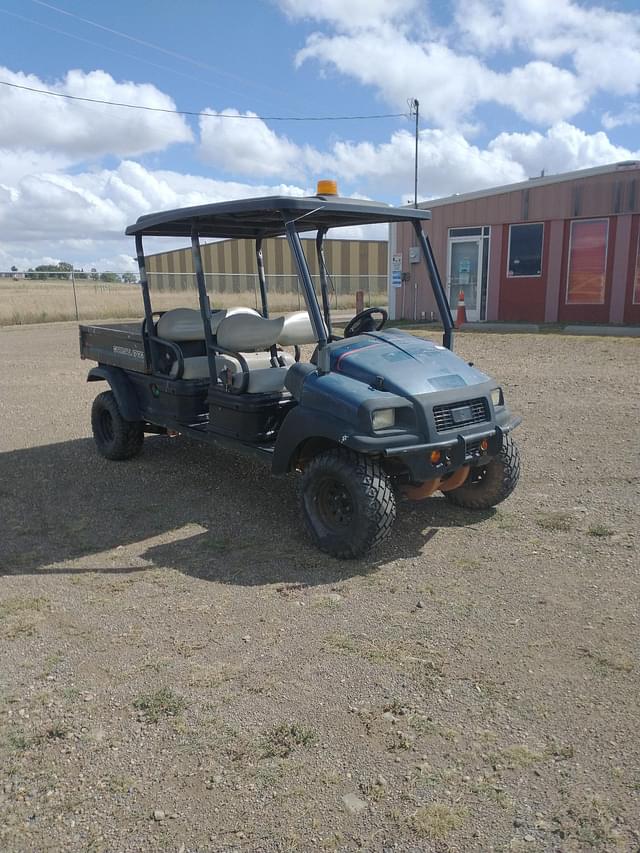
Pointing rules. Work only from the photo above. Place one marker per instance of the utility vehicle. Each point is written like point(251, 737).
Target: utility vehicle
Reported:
point(371, 414)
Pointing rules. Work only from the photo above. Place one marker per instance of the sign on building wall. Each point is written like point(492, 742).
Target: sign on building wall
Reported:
point(396, 270)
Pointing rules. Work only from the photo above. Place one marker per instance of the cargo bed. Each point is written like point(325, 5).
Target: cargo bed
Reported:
point(117, 344)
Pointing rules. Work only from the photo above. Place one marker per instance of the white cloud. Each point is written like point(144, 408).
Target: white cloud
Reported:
point(100, 204)
point(16, 163)
point(602, 43)
point(82, 217)
point(450, 72)
point(354, 14)
point(449, 85)
point(629, 114)
point(78, 130)
point(562, 148)
point(448, 161)
point(540, 92)
point(247, 146)
point(117, 262)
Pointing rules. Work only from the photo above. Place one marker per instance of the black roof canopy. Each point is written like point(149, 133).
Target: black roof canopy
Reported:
point(267, 217)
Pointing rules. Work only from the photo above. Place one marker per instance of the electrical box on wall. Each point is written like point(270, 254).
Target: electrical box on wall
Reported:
point(414, 254)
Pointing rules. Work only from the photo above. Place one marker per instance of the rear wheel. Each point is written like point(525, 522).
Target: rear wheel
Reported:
point(347, 503)
point(488, 485)
point(115, 437)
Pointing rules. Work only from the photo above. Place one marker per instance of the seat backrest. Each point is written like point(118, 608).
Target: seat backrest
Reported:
point(185, 324)
point(248, 332)
point(297, 330)
point(181, 324)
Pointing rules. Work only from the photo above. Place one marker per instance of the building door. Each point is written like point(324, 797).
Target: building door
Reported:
point(464, 273)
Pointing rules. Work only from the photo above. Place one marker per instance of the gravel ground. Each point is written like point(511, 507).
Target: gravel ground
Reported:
point(181, 671)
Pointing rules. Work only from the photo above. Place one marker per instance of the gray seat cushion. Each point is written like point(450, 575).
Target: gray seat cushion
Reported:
point(248, 333)
point(297, 330)
point(196, 367)
point(185, 324)
point(242, 330)
point(263, 378)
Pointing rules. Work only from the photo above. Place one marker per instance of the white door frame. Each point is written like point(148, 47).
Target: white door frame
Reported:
point(473, 315)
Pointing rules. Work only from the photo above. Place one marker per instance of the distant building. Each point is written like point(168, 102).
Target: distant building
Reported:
point(556, 249)
point(231, 266)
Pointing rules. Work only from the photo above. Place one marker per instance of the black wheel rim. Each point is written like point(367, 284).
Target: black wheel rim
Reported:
point(106, 425)
point(334, 504)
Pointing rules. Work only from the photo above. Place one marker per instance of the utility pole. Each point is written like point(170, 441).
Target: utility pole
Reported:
point(414, 110)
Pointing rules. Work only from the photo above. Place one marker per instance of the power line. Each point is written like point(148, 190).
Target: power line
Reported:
point(175, 54)
point(115, 50)
point(195, 113)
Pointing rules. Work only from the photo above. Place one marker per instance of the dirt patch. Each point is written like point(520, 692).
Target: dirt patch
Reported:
point(182, 671)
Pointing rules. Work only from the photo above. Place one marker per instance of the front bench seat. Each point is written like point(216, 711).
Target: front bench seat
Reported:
point(250, 335)
point(297, 330)
point(184, 326)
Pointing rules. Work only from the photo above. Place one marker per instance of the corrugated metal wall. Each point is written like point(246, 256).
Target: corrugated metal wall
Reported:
point(614, 195)
point(237, 257)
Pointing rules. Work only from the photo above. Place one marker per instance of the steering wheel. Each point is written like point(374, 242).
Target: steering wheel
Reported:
point(364, 322)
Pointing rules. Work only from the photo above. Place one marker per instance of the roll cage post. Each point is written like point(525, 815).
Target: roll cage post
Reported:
point(146, 299)
point(322, 266)
point(205, 305)
point(436, 286)
point(310, 297)
point(262, 278)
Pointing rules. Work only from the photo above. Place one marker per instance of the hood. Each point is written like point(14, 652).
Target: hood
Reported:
point(407, 365)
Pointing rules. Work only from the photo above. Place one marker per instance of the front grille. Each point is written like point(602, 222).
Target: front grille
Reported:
point(454, 415)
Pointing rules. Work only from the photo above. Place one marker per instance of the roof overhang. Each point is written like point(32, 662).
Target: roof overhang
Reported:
point(623, 167)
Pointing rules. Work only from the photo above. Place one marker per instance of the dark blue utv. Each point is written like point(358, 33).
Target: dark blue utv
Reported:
point(374, 412)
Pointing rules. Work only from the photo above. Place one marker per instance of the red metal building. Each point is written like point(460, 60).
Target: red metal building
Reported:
point(554, 249)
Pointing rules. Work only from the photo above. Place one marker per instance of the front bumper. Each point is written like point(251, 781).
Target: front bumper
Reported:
point(463, 449)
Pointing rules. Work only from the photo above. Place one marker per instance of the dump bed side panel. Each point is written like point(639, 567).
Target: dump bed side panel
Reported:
point(120, 345)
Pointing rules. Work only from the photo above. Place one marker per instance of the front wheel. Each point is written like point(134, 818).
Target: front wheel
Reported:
point(488, 485)
point(348, 504)
point(115, 437)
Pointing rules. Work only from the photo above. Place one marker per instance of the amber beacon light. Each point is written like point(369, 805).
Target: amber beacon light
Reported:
point(327, 188)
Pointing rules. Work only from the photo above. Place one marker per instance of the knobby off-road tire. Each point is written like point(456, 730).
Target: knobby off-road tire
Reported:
point(348, 504)
point(489, 484)
point(115, 438)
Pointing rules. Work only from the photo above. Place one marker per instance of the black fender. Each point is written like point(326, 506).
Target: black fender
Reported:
point(301, 424)
point(123, 390)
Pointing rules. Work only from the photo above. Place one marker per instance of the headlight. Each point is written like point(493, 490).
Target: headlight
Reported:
point(497, 397)
point(383, 419)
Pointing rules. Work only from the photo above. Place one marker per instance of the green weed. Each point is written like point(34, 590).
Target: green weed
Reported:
point(162, 703)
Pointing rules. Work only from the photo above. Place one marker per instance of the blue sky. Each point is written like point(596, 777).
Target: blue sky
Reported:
point(506, 89)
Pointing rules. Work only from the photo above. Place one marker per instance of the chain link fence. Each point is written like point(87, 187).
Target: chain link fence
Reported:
point(284, 293)
point(45, 297)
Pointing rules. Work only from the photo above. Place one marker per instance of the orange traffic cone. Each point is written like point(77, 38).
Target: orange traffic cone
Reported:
point(461, 316)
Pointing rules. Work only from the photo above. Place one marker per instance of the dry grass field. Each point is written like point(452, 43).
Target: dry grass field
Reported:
point(25, 302)
point(182, 672)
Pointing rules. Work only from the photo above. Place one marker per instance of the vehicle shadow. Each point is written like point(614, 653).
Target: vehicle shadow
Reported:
point(199, 510)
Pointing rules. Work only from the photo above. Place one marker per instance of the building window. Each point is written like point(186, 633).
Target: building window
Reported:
point(636, 280)
point(587, 261)
point(525, 249)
